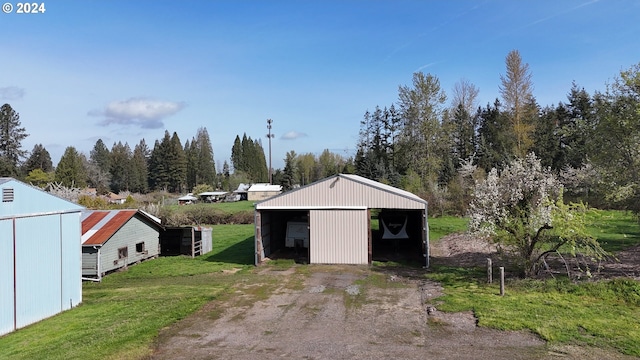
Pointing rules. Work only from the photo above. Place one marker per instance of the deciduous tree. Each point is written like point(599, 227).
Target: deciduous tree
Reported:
point(521, 208)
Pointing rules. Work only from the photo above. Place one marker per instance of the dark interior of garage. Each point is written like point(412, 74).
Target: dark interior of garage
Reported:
point(397, 236)
point(403, 241)
point(280, 249)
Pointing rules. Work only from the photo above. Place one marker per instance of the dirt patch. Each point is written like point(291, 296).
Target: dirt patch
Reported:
point(352, 312)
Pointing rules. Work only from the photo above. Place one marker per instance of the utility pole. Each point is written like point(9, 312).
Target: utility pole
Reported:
point(270, 136)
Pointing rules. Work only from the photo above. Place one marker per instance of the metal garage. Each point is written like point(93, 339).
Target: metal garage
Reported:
point(329, 222)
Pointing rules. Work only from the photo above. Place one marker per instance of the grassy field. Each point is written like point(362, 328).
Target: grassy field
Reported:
point(602, 314)
point(121, 317)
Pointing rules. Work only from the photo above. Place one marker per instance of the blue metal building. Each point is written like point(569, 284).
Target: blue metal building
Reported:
point(40, 255)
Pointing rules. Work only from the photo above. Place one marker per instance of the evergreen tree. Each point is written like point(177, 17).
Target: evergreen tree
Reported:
point(177, 165)
point(226, 173)
point(206, 167)
point(236, 154)
point(139, 168)
point(496, 139)
point(121, 169)
point(289, 172)
point(11, 136)
point(70, 171)
point(158, 166)
point(100, 156)
point(39, 159)
point(191, 154)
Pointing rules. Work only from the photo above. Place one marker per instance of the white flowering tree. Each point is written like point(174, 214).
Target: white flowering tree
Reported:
point(521, 209)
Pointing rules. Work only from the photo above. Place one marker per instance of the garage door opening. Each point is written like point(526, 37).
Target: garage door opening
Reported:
point(285, 235)
point(397, 235)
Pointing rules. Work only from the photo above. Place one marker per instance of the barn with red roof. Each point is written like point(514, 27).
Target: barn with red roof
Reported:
point(115, 239)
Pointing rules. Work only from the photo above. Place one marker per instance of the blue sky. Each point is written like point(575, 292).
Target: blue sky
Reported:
point(127, 70)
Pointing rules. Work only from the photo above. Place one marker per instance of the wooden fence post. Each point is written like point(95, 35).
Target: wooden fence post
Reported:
point(489, 271)
point(501, 280)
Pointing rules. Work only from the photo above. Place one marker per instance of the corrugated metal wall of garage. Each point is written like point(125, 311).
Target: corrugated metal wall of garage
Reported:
point(344, 191)
point(45, 278)
point(6, 276)
point(339, 236)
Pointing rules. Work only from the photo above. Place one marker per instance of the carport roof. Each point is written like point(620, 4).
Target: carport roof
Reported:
point(345, 191)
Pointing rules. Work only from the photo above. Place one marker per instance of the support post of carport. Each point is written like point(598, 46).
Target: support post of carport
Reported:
point(425, 237)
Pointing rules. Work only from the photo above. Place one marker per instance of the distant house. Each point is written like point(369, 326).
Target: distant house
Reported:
point(259, 192)
point(212, 196)
point(116, 199)
point(187, 199)
point(116, 239)
point(39, 255)
point(241, 192)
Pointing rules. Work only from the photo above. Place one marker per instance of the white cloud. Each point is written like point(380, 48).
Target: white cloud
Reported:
point(292, 135)
point(142, 112)
point(11, 93)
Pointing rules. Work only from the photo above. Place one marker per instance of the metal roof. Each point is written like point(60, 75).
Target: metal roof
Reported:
point(265, 187)
point(100, 226)
point(345, 191)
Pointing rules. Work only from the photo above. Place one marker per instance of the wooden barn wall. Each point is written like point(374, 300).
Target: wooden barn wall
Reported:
point(131, 233)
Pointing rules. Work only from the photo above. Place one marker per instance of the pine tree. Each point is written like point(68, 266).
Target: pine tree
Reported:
point(39, 159)
point(70, 171)
point(120, 167)
point(11, 136)
point(289, 172)
point(177, 165)
point(139, 168)
point(206, 167)
point(236, 154)
point(158, 166)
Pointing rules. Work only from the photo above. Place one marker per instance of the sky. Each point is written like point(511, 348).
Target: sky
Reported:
point(129, 70)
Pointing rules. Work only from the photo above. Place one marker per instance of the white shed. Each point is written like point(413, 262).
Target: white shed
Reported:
point(337, 211)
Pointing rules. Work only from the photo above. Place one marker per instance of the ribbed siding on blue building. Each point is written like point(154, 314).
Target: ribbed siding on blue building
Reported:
point(40, 261)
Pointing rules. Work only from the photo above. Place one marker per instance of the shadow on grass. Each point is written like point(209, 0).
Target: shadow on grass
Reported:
point(241, 253)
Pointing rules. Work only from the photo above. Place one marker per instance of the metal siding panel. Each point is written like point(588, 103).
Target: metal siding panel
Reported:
point(338, 236)
point(207, 240)
point(343, 191)
point(38, 268)
point(71, 260)
point(6, 276)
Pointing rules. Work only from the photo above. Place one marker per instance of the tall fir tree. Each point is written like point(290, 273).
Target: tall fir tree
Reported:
point(177, 165)
point(11, 135)
point(159, 176)
point(120, 168)
point(70, 171)
point(38, 159)
point(139, 168)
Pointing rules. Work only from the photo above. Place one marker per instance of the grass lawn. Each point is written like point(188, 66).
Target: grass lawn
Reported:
point(615, 230)
point(229, 207)
point(603, 314)
point(445, 225)
point(121, 316)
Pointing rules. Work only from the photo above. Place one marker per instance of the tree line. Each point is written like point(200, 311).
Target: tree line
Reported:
point(424, 142)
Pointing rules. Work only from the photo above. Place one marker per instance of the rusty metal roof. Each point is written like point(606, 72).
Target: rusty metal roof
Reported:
point(100, 226)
